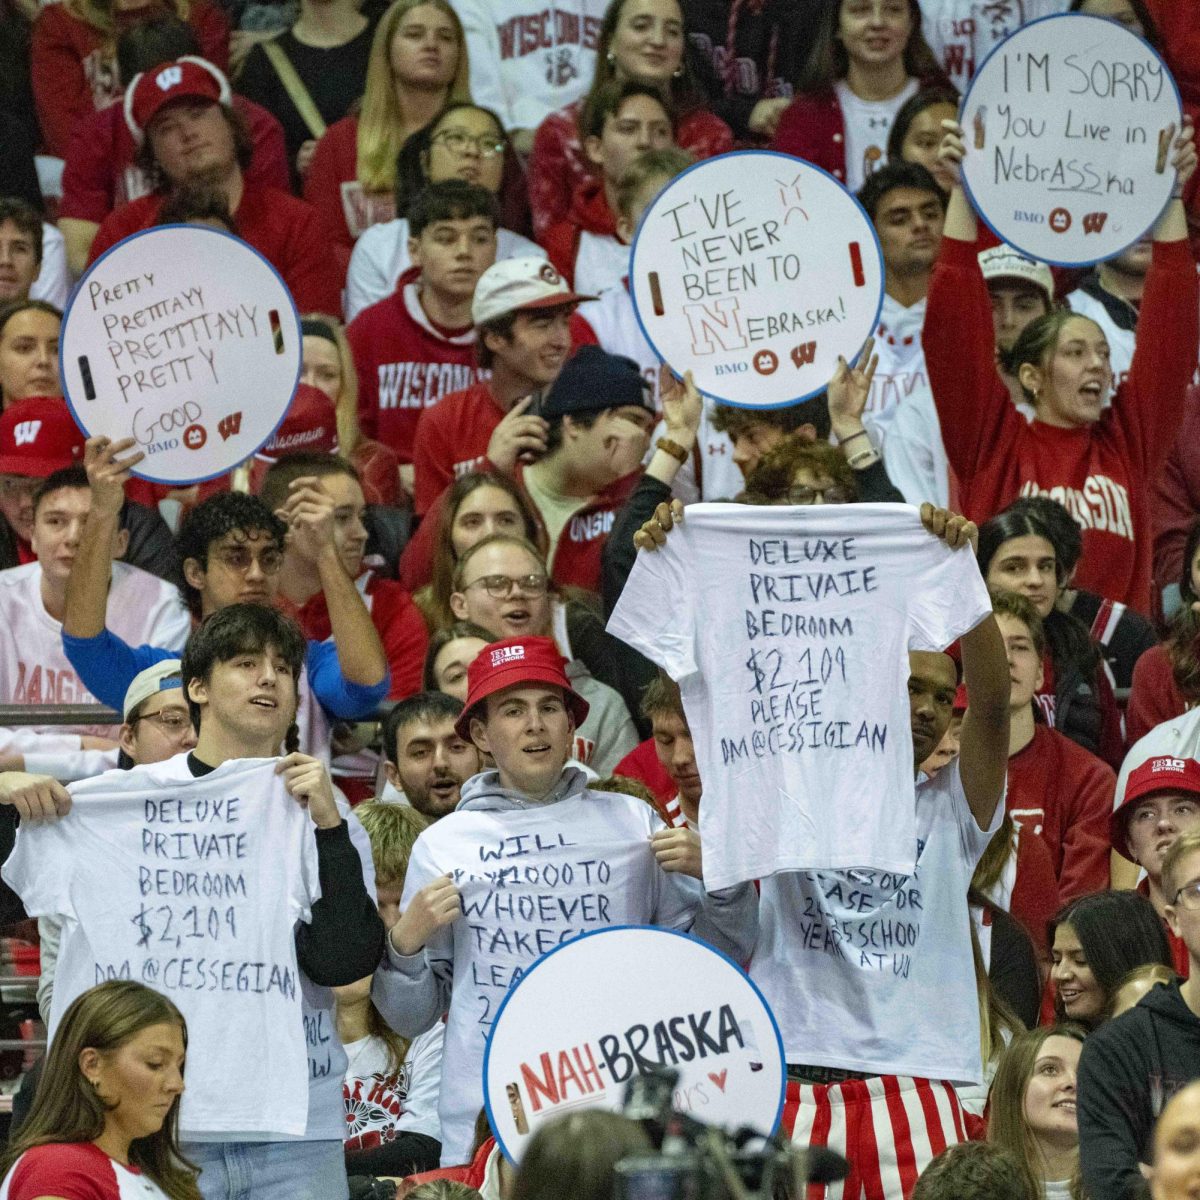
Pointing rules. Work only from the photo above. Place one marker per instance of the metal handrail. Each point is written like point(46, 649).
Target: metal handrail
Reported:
point(58, 714)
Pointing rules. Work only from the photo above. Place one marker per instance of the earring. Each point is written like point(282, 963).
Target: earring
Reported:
point(678, 73)
point(611, 59)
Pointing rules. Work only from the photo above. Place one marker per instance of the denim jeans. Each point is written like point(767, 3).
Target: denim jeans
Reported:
point(261, 1170)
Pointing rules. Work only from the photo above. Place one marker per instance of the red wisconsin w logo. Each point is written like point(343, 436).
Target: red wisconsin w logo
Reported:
point(805, 353)
point(229, 426)
point(1094, 222)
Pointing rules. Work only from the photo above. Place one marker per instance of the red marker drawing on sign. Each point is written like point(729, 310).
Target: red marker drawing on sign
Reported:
point(856, 265)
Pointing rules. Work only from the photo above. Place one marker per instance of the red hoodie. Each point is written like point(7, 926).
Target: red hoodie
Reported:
point(1101, 472)
point(1065, 796)
point(590, 216)
point(406, 364)
point(74, 69)
point(451, 440)
point(100, 174)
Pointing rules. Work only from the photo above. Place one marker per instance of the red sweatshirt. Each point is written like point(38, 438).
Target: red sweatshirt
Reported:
point(1177, 498)
point(452, 440)
point(399, 622)
point(406, 364)
point(589, 218)
point(1035, 895)
point(1065, 795)
point(332, 188)
point(284, 230)
point(74, 69)
point(100, 174)
point(1155, 697)
point(1102, 472)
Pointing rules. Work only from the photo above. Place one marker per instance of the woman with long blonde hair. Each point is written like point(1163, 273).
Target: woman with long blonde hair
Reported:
point(105, 1118)
point(73, 55)
point(1033, 1107)
point(418, 64)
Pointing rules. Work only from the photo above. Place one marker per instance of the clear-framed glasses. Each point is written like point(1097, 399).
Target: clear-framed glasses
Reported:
point(459, 142)
point(500, 587)
point(172, 721)
point(834, 494)
point(241, 558)
point(1188, 896)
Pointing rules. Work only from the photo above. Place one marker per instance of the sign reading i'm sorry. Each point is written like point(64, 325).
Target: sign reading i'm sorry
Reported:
point(756, 271)
point(187, 340)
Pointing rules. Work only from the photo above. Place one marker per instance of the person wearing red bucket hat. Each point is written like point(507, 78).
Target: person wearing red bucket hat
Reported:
point(180, 114)
point(583, 860)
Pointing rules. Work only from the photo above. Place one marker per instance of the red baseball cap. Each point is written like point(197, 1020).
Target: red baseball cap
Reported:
point(187, 78)
point(38, 436)
point(517, 660)
point(310, 425)
point(1164, 773)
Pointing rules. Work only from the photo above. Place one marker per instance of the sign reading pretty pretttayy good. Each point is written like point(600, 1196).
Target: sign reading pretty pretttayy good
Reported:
point(692, 1011)
point(756, 271)
point(1069, 126)
point(187, 340)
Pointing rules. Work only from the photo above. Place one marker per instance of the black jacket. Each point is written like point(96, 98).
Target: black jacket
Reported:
point(1130, 1067)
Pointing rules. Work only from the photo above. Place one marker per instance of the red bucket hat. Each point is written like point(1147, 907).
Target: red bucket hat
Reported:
point(517, 660)
point(38, 436)
point(1164, 773)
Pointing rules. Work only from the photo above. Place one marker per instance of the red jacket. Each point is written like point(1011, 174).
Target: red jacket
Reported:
point(1176, 502)
point(1155, 697)
point(1065, 795)
point(396, 618)
point(284, 230)
point(405, 365)
point(451, 440)
point(1102, 473)
point(332, 188)
point(589, 213)
point(557, 165)
point(100, 174)
point(472, 1173)
point(1035, 896)
point(74, 69)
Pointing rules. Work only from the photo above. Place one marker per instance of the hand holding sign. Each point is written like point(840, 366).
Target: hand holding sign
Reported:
point(432, 908)
point(307, 779)
point(107, 474)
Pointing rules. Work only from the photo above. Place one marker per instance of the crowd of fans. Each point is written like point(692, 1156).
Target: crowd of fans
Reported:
point(481, 445)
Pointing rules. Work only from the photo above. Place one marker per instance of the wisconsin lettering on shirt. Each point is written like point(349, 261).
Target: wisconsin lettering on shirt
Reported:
point(421, 384)
point(38, 684)
point(589, 527)
point(1101, 504)
point(546, 30)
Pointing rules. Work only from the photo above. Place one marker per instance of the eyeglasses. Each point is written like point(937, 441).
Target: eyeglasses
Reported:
point(460, 143)
point(171, 721)
point(1188, 896)
point(834, 494)
point(500, 587)
point(240, 559)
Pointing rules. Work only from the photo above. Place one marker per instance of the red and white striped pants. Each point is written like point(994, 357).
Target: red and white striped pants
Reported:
point(888, 1126)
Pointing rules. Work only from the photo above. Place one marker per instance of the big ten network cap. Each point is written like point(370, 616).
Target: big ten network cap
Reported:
point(518, 285)
point(1163, 773)
point(187, 78)
point(517, 660)
point(593, 380)
point(164, 676)
point(38, 436)
point(1003, 262)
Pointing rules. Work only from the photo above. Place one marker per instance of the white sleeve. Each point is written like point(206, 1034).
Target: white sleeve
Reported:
point(39, 867)
point(947, 595)
point(28, 741)
point(72, 766)
point(170, 624)
point(367, 280)
point(910, 459)
point(424, 1062)
point(483, 53)
point(655, 614)
point(54, 280)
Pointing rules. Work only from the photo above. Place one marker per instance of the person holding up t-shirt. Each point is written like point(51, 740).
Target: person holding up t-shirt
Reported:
point(461, 945)
point(303, 906)
point(853, 962)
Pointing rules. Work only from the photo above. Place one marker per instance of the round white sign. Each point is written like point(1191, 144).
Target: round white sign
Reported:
point(1068, 128)
point(756, 270)
point(570, 1035)
point(187, 340)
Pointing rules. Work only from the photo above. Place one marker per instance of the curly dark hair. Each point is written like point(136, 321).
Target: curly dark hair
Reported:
point(243, 149)
point(212, 520)
point(772, 478)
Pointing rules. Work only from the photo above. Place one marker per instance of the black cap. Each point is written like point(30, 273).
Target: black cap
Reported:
point(593, 380)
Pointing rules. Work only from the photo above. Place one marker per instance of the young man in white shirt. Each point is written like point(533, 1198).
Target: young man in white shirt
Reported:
point(463, 940)
point(33, 667)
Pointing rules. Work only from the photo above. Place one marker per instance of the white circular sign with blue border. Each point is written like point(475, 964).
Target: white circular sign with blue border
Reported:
point(1068, 128)
point(593, 1013)
point(756, 271)
point(187, 340)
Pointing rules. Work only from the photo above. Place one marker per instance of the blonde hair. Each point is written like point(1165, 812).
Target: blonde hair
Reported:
point(380, 121)
point(1180, 849)
point(393, 830)
point(1151, 973)
point(98, 14)
point(346, 410)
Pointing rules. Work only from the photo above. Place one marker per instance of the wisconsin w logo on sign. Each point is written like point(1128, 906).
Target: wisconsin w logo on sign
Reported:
point(229, 426)
point(169, 77)
point(25, 432)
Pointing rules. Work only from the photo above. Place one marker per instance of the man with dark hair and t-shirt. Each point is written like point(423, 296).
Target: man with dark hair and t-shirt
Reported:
point(428, 759)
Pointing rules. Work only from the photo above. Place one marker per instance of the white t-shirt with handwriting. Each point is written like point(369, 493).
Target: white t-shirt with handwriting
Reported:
point(192, 886)
point(873, 972)
point(788, 632)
